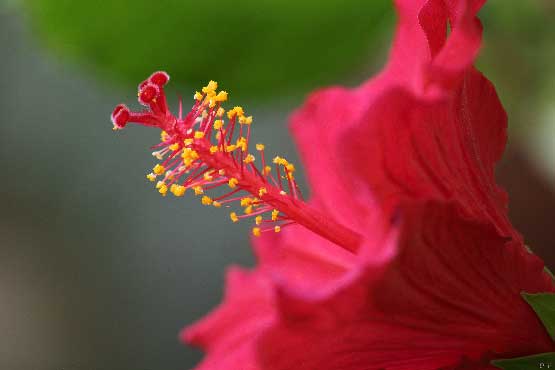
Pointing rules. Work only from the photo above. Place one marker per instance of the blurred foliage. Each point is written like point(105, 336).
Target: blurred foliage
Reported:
point(518, 55)
point(252, 47)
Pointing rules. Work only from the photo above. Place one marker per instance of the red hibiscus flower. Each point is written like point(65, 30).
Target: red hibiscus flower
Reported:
point(404, 258)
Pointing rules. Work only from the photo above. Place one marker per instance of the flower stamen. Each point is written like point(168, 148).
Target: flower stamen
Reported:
point(193, 158)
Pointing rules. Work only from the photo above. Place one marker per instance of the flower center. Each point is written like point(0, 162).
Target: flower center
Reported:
point(207, 152)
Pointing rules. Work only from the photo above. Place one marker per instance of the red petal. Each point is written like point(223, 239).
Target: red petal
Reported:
point(453, 293)
point(227, 335)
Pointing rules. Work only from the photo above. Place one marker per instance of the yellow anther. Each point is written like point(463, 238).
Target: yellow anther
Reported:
point(258, 220)
point(239, 111)
point(206, 200)
point(211, 103)
point(169, 175)
point(230, 148)
point(262, 191)
point(256, 231)
point(174, 146)
point(241, 142)
point(249, 158)
point(236, 111)
point(178, 190)
point(198, 96)
point(248, 210)
point(277, 229)
point(259, 147)
point(199, 134)
point(221, 97)
point(276, 159)
point(216, 204)
point(208, 177)
point(232, 182)
point(267, 170)
point(220, 112)
point(188, 142)
point(213, 149)
point(164, 136)
point(218, 124)
point(190, 154)
point(233, 217)
point(210, 88)
point(218, 135)
point(198, 190)
point(162, 187)
point(245, 120)
point(290, 167)
point(159, 169)
point(151, 177)
point(221, 172)
point(275, 214)
point(246, 202)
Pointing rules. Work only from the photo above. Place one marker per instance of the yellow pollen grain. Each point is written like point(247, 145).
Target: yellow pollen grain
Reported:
point(198, 96)
point(267, 170)
point(249, 159)
point(178, 190)
point(163, 190)
point(262, 191)
point(206, 200)
point(159, 184)
point(277, 229)
point(246, 120)
point(174, 146)
point(248, 210)
point(213, 149)
point(290, 167)
point(198, 190)
point(258, 220)
point(218, 124)
point(220, 112)
point(246, 201)
point(216, 204)
point(256, 231)
point(188, 141)
point(259, 147)
point(233, 217)
point(221, 97)
point(159, 169)
point(164, 136)
point(210, 88)
point(275, 214)
point(151, 177)
point(199, 134)
point(221, 172)
point(207, 176)
point(230, 148)
point(232, 182)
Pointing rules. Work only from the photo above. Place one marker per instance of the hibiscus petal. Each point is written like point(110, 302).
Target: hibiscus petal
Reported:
point(227, 334)
point(452, 293)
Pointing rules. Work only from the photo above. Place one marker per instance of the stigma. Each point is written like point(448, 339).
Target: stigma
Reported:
point(208, 152)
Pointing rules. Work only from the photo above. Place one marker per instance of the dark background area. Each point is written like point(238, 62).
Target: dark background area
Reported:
point(97, 271)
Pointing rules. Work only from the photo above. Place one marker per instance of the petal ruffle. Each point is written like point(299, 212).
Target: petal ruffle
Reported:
point(228, 334)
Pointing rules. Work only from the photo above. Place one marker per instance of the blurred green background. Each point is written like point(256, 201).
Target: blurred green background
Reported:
point(97, 271)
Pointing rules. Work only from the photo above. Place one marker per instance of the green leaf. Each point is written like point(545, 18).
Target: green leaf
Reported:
point(544, 306)
point(540, 361)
